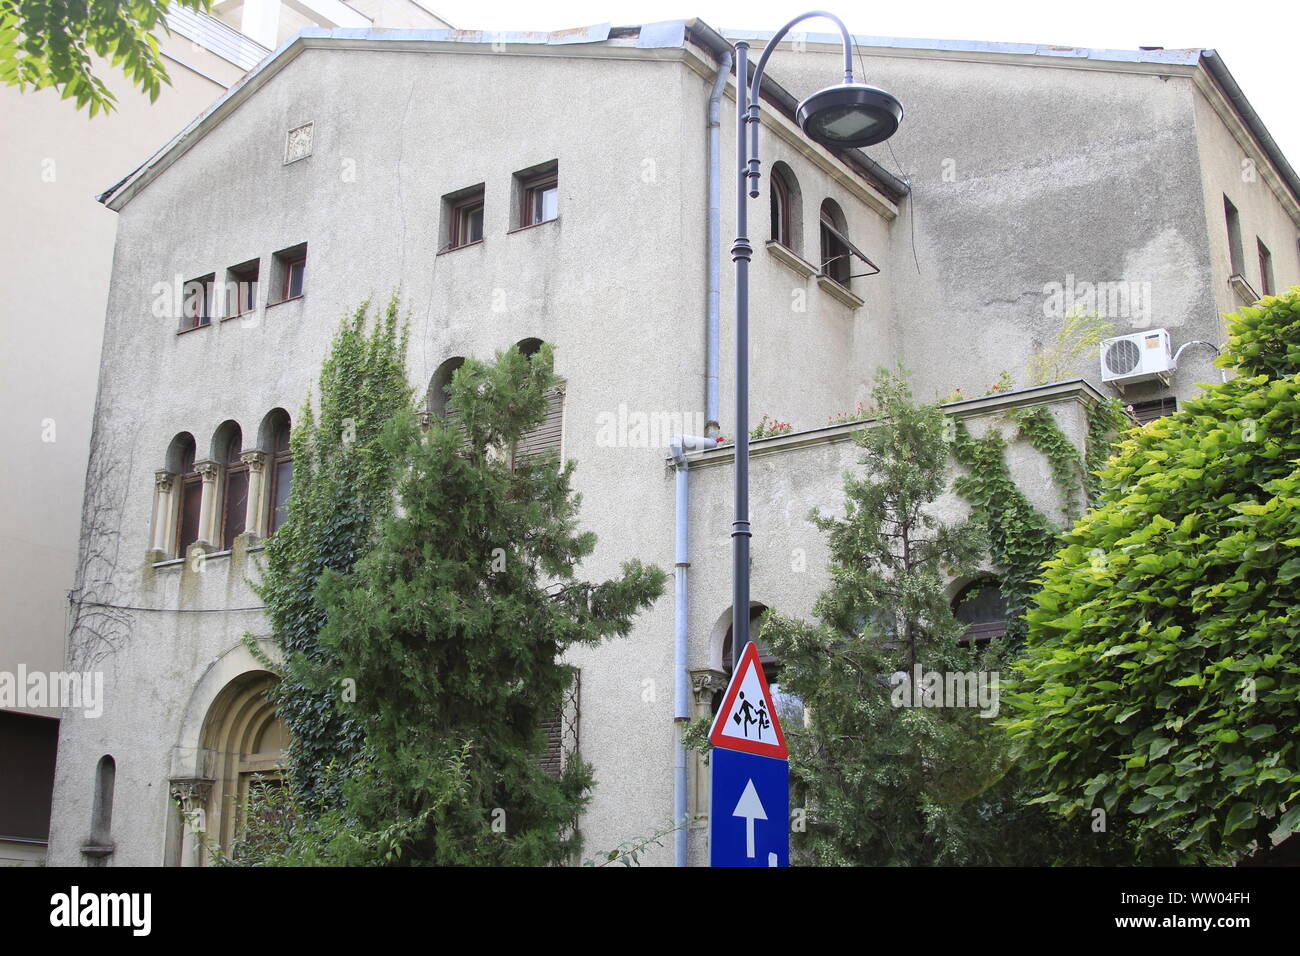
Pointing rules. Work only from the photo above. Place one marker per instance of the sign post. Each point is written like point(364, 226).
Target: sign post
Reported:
point(749, 801)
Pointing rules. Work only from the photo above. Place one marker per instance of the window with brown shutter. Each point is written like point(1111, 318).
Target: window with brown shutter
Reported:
point(547, 437)
point(561, 731)
point(1149, 411)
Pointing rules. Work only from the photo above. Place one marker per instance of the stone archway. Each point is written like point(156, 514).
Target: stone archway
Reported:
point(242, 737)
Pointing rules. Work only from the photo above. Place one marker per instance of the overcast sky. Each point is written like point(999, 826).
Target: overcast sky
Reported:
point(1256, 40)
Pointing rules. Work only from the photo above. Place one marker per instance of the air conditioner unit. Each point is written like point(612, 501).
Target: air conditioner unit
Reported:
point(1139, 357)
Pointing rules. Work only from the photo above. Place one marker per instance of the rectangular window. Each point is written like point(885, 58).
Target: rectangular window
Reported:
point(241, 288)
point(463, 215)
point(197, 304)
point(835, 255)
point(236, 511)
point(1236, 258)
point(290, 273)
point(188, 526)
point(1265, 268)
point(281, 483)
point(1146, 412)
point(537, 195)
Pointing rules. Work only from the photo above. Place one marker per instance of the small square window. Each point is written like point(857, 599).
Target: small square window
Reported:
point(290, 273)
point(241, 288)
point(467, 223)
point(198, 301)
point(537, 195)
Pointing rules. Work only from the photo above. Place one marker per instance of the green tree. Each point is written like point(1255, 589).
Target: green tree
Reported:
point(46, 43)
point(344, 478)
point(454, 628)
point(888, 782)
point(1162, 684)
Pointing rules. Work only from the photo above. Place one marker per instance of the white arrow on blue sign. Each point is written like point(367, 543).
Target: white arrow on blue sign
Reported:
point(750, 812)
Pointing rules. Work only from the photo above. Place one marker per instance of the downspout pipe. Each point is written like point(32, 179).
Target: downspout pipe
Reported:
point(713, 244)
point(681, 444)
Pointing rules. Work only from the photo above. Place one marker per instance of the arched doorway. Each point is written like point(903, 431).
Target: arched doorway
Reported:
point(242, 738)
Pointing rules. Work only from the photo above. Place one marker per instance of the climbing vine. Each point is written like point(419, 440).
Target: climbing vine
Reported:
point(343, 483)
point(1039, 426)
point(1021, 537)
point(1106, 420)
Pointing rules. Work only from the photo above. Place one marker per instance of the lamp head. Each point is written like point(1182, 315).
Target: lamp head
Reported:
point(849, 115)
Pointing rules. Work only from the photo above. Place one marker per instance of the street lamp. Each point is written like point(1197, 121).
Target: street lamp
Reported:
point(846, 115)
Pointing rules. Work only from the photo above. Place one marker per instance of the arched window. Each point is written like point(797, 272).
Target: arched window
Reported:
point(435, 403)
point(836, 253)
point(101, 813)
point(981, 606)
point(180, 462)
point(784, 202)
point(275, 442)
point(788, 707)
point(227, 446)
point(546, 438)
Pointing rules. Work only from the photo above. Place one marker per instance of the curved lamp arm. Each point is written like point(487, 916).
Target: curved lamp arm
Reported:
point(751, 116)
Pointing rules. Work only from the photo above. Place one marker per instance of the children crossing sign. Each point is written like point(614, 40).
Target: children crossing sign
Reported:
point(747, 719)
point(749, 800)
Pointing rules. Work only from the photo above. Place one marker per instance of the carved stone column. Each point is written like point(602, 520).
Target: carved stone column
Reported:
point(255, 525)
point(163, 530)
point(209, 503)
point(705, 684)
point(191, 794)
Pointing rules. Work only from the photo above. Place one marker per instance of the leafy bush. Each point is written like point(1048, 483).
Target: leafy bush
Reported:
point(1162, 678)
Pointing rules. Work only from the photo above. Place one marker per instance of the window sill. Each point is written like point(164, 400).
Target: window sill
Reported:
point(1245, 292)
point(787, 256)
point(533, 225)
point(248, 314)
point(838, 291)
point(468, 245)
point(292, 298)
point(195, 328)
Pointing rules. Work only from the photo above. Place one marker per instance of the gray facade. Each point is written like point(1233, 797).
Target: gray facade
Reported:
point(618, 283)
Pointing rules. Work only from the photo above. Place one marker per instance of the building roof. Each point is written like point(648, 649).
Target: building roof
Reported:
point(646, 37)
point(678, 33)
point(1190, 58)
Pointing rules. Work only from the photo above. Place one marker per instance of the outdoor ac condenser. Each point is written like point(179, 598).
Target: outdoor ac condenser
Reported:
point(1138, 357)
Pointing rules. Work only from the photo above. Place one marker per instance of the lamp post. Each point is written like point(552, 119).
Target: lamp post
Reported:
point(846, 115)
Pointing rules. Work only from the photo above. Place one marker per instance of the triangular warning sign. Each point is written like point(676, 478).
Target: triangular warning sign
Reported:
point(747, 719)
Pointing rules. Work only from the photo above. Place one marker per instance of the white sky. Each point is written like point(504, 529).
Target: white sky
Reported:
point(1255, 39)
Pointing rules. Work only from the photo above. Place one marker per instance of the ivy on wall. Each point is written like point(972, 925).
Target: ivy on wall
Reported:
point(343, 485)
point(1022, 538)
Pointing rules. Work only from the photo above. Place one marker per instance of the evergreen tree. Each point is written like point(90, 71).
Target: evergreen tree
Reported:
point(890, 778)
point(343, 483)
point(454, 627)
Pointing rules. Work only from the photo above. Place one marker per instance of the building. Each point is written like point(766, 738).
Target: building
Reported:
point(556, 187)
point(59, 262)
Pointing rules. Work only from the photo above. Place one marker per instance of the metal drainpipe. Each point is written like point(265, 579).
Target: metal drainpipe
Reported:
point(714, 244)
point(681, 692)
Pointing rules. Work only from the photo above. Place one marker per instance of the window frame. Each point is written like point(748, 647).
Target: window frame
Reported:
point(1265, 267)
point(460, 212)
point(531, 193)
point(207, 294)
point(782, 229)
point(237, 277)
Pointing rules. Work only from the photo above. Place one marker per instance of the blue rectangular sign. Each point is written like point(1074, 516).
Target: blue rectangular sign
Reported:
point(749, 810)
